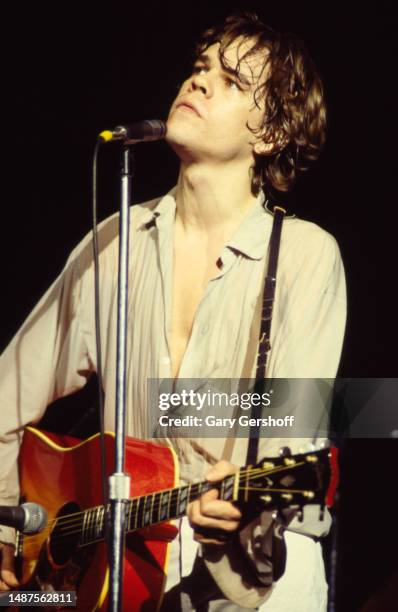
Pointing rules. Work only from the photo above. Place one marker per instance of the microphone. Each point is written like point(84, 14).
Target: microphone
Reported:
point(140, 131)
point(28, 518)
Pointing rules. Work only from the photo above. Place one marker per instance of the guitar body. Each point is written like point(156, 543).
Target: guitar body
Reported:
point(63, 475)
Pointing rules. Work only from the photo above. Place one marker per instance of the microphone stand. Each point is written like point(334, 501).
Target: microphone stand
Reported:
point(119, 482)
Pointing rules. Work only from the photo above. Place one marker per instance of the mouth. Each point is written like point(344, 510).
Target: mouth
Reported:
point(188, 107)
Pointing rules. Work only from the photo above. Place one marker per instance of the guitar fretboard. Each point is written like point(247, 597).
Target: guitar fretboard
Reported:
point(153, 508)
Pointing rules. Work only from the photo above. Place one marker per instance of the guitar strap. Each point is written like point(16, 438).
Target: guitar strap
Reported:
point(264, 344)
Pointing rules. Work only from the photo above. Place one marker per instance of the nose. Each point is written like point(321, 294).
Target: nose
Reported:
point(201, 82)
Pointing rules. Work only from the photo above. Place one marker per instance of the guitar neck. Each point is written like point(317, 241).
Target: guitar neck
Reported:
point(307, 478)
point(153, 508)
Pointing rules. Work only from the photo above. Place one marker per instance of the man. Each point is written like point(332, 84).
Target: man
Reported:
point(245, 123)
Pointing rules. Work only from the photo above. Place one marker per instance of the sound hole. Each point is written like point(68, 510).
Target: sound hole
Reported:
point(66, 533)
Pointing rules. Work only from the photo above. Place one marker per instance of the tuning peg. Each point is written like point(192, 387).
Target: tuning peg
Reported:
point(285, 451)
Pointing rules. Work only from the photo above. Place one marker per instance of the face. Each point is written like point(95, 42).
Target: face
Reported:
point(210, 116)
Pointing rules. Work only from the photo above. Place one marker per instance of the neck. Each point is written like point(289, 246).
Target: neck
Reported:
point(212, 199)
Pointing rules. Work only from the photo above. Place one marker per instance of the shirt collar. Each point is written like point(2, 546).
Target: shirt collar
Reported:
point(251, 237)
point(164, 209)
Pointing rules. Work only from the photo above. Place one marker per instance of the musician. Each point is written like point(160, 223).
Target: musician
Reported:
point(248, 119)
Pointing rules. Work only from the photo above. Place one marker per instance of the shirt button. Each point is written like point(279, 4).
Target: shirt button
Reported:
point(166, 360)
point(205, 329)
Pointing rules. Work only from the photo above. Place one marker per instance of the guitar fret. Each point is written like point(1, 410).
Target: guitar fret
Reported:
point(146, 515)
point(173, 504)
point(89, 518)
point(130, 514)
point(97, 531)
point(87, 535)
point(92, 523)
point(164, 506)
point(128, 518)
point(137, 513)
point(178, 513)
point(155, 506)
point(160, 506)
point(154, 495)
point(168, 504)
point(136, 508)
point(197, 489)
point(102, 522)
point(84, 527)
point(227, 488)
point(182, 500)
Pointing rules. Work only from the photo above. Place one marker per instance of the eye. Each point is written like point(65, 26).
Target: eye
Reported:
point(199, 69)
point(232, 83)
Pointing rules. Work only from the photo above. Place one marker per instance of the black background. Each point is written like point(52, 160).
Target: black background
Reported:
point(70, 73)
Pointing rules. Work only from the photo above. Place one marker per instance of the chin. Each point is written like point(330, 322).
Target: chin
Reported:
point(179, 135)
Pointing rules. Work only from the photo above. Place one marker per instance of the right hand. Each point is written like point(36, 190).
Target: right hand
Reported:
point(8, 579)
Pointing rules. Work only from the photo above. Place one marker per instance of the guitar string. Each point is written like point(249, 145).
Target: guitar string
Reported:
point(66, 527)
point(67, 534)
point(56, 539)
point(78, 516)
point(175, 492)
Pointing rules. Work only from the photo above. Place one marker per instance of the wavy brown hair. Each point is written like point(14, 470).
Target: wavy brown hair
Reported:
point(292, 96)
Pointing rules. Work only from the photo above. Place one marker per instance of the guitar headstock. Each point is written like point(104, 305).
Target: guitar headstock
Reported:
point(290, 480)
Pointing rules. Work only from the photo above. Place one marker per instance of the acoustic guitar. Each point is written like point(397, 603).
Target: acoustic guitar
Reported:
point(63, 475)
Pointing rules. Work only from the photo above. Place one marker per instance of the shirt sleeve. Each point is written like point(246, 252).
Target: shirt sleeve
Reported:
point(306, 342)
point(306, 348)
point(47, 359)
point(310, 311)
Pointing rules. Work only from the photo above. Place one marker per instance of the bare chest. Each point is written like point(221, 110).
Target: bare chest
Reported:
point(193, 270)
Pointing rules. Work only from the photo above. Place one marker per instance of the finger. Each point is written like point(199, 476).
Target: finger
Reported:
point(8, 557)
point(197, 518)
point(194, 508)
point(210, 505)
point(4, 586)
point(219, 509)
point(204, 509)
point(7, 572)
point(220, 470)
point(9, 578)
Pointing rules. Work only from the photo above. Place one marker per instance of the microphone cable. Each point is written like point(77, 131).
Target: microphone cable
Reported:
point(97, 318)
